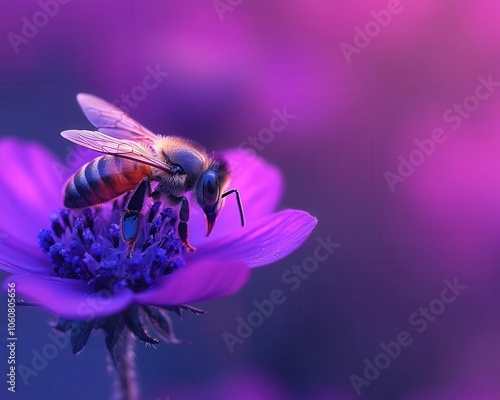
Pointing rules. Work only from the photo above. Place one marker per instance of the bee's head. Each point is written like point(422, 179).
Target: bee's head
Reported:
point(209, 191)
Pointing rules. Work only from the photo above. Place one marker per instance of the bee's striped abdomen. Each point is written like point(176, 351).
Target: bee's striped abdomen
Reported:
point(102, 180)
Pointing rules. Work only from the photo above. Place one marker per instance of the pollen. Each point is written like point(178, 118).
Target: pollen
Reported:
point(87, 245)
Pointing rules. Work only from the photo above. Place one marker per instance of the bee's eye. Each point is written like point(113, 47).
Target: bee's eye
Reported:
point(177, 169)
point(210, 190)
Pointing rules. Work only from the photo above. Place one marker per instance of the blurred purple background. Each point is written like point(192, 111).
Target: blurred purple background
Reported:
point(368, 83)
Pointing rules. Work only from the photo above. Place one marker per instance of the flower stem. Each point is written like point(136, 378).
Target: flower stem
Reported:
point(125, 384)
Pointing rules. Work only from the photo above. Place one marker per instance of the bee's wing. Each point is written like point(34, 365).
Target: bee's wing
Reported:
point(112, 121)
point(102, 143)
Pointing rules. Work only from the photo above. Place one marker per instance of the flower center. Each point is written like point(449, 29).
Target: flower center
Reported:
point(88, 245)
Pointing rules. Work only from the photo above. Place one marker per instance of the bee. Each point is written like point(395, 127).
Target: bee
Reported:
point(135, 159)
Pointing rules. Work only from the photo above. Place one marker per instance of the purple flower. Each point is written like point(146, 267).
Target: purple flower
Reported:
point(74, 262)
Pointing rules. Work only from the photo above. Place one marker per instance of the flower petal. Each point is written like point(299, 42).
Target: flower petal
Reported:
point(260, 185)
point(199, 281)
point(68, 297)
point(260, 182)
point(29, 186)
point(268, 240)
point(17, 256)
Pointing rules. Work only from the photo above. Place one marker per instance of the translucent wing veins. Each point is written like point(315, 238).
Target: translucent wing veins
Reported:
point(112, 121)
point(103, 143)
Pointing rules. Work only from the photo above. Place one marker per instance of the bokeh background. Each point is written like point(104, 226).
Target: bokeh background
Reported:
point(358, 114)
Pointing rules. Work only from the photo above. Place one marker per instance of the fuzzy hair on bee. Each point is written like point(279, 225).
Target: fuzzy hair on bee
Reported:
point(134, 159)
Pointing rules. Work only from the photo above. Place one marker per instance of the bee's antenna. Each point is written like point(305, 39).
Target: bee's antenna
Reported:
point(238, 199)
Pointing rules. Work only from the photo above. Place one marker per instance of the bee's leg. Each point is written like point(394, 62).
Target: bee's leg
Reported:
point(156, 195)
point(131, 220)
point(182, 227)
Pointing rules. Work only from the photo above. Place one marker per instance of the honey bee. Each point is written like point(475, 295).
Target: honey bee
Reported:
point(134, 159)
